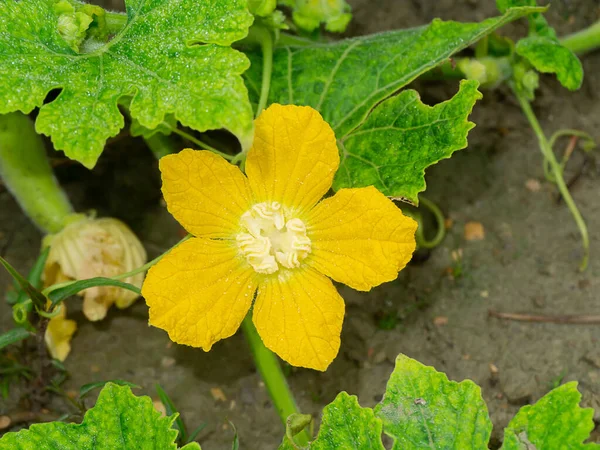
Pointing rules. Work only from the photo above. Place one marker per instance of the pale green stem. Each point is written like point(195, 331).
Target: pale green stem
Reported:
point(583, 41)
point(271, 373)
point(27, 174)
point(200, 143)
point(557, 175)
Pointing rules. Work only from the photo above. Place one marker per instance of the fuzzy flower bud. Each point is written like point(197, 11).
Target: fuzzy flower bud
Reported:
point(88, 248)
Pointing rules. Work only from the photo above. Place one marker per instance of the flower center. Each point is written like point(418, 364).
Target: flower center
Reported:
point(270, 241)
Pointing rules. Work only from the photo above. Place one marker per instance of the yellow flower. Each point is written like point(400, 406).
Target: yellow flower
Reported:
point(58, 334)
point(268, 232)
point(89, 248)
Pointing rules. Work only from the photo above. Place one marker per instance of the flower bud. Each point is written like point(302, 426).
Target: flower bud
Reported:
point(88, 248)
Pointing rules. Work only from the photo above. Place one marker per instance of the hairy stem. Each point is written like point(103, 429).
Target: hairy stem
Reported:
point(583, 41)
point(27, 174)
point(270, 371)
point(557, 174)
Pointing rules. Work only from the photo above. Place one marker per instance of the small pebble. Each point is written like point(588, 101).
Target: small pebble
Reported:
point(474, 231)
point(218, 394)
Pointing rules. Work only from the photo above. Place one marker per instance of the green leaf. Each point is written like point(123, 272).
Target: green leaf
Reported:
point(12, 336)
point(345, 80)
point(34, 294)
point(547, 55)
point(402, 133)
point(119, 420)
point(87, 388)
point(351, 81)
point(172, 57)
point(555, 421)
point(58, 295)
point(309, 14)
point(345, 426)
point(34, 277)
point(421, 408)
point(543, 50)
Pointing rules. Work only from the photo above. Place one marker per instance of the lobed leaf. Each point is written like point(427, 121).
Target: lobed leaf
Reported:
point(119, 420)
point(556, 421)
point(401, 138)
point(172, 57)
point(348, 80)
point(421, 408)
point(345, 426)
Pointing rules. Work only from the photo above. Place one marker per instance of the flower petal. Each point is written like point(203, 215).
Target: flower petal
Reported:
point(294, 157)
point(360, 238)
point(59, 333)
point(200, 292)
point(299, 316)
point(206, 194)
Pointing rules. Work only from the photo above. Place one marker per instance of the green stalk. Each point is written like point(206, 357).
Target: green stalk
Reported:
point(160, 145)
point(270, 371)
point(583, 41)
point(266, 43)
point(27, 174)
point(556, 168)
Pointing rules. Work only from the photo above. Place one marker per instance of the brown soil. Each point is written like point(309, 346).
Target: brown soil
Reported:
point(527, 262)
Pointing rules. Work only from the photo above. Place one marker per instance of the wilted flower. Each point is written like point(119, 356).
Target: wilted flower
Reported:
point(58, 334)
point(88, 248)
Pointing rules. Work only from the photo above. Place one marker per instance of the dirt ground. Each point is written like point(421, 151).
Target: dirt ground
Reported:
point(527, 262)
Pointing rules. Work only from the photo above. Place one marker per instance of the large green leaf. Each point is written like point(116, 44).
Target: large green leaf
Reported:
point(171, 57)
point(348, 79)
point(344, 80)
point(543, 49)
point(345, 426)
point(556, 421)
point(401, 138)
point(421, 408)
point(120, 420)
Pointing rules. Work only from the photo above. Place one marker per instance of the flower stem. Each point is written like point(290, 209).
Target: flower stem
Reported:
point(270, 371)
point(583, 41)
point(266, 43)
point(27, 174)
point(557, 174)
point(160, 145)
